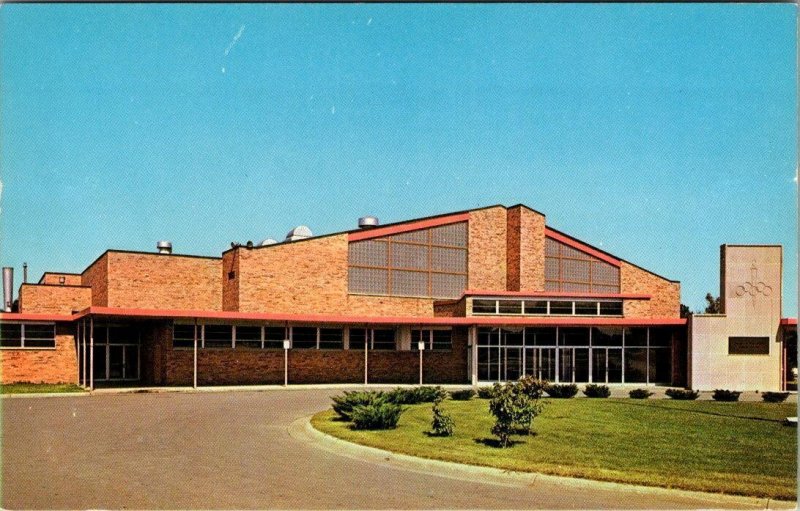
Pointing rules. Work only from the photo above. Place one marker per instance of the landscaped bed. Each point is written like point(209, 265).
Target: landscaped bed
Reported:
point(737, 448)
point(38, 388)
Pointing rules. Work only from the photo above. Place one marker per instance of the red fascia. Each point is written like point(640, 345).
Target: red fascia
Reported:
point(377, 320)
point(555, 294)
point(378, 232)
point(788, 321)
point(23, 316)
point(577, 245)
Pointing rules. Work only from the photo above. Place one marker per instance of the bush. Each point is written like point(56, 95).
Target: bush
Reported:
point(594, 390)
point(513, 409)
point(561, 390)
point(378, 415)
point(462, 395)
point(344, 404)
point(726, 395)
point(415, 395)
point(774, 397)
point(485, 392)
point(442, 424)
point(532, 387)
point(640, 394)
point(681, 394)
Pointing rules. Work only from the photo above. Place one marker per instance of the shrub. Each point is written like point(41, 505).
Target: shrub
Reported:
point(442, 424)
point(774, 397)
point(485, 392)
point(725, 395)
point(415, 395)
point(532, 387)
point(462, 395)
point(344, 404)
point(681, 394)
point(594, 390)
point(513, 409)
point(561, 390)
point(640, 394)
point(377, 415)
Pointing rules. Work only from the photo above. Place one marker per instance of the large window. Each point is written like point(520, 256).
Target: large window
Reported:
point(560, 307)
point(576, 354)
point(427, 263)
point(569, 270)
point(434, 339)
point(27, 335)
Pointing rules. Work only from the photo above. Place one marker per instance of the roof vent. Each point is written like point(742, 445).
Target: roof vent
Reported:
point(164, 247)
point(268, 241)
point(368, 222)
point(300, 232)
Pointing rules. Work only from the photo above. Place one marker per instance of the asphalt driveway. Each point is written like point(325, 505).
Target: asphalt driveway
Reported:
point(234, 450)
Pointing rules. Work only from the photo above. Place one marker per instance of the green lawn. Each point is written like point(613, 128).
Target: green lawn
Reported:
point(36, 388)
point(737, 448)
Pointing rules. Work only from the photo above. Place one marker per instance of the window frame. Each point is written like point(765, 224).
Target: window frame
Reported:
point(22, 336)
point(405, 239)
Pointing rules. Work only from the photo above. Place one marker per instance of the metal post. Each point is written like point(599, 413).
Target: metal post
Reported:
point(474, 333)
point(78, 344)
point(285, 366)
point(83, 334)
point(194, 370)
point(286, 343)
point(91, 353)
point(366, 361)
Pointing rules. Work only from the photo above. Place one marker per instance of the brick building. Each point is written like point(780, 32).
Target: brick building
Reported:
point(489, 294)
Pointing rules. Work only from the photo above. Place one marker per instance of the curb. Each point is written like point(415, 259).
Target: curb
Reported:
point(301, 429)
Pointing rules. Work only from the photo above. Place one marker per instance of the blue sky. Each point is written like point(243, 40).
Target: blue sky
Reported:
point(656, 132)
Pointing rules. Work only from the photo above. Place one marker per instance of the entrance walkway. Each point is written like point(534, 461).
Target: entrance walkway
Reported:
point(227, 450)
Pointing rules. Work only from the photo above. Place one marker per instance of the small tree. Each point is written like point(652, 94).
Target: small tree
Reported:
point(714, 304)
point(442, 424)
point(685, 311)
point(514, 406)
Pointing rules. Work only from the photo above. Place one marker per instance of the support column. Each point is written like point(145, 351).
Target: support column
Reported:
point(473, 335)
point(83, 335)
point(91, 353)
point(194, 363)
point(366, 361)
point(78, 346)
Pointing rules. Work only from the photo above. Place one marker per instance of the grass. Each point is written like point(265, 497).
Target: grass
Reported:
point(736, 448)
point(37, 388)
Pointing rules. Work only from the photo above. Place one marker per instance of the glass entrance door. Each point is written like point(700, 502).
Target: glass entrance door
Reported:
point(607, 365)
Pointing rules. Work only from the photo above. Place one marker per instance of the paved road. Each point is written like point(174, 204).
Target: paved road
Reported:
point(233, 450)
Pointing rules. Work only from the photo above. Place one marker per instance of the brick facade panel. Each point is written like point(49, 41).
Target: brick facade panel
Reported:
point(59, 365)
point(70, 279)
point(53, 299)
point(665, 298)
point(96, 277)
point(487, 248)
point(157, 281)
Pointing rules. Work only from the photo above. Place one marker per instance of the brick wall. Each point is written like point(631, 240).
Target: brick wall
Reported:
point(531, 261)
point(159, 281)
point(525, 249)
point(57, 365)
point(304, 276)
point(53, 299)
point(96, 276)
point(70, 279)
point(487, 248)
point(230, 280)
point(665, 298)
point(250, 366)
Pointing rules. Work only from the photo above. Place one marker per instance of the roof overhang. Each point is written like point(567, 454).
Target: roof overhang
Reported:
point(170, 314)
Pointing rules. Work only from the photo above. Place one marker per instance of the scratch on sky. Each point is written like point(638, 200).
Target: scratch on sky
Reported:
point(235, 40)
